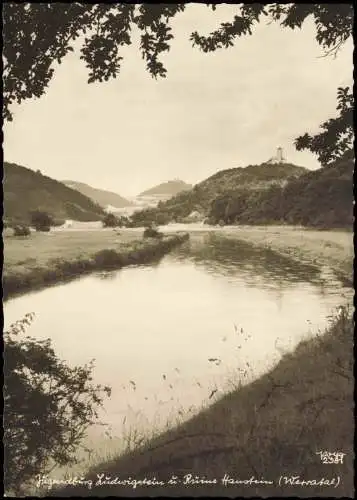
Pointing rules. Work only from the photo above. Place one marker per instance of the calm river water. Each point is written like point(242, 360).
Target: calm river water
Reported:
point(212, 314)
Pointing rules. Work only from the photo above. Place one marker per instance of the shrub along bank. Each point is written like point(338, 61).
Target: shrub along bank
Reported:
point(139, 252)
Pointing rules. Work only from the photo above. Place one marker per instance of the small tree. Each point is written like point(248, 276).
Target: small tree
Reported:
point(124, 221)
point(21, 231)
point(111, 221)
point(41, 221)
point(47, 407)
point(152, 232)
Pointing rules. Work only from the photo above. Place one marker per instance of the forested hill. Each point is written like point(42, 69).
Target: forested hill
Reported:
point(169, 188)
point(26, 190)
point(100, 196)
point(253, 177)
point(321, 198)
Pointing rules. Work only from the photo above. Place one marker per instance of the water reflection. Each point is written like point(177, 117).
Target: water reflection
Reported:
point(257, 266)
point(212, 315)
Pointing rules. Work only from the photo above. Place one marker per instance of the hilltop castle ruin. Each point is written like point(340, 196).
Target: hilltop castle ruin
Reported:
point(278, 158)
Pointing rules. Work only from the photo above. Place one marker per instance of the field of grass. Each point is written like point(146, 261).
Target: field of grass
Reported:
point(47, 258)
point(21, 253)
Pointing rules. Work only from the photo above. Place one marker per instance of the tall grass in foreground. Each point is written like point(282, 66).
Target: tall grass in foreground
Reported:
point(136, 434)
point(259, 428)
point(273, 426)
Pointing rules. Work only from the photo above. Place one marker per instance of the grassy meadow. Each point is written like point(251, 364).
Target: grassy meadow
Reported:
point(22, 254)
point(47, 258)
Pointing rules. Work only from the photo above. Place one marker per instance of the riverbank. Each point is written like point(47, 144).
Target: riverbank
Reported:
point(271, 430)
point(332, 248)
point(320, 248)
point(48, 258)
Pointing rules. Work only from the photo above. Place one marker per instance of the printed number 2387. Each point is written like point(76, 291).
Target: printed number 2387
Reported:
point(328, 457)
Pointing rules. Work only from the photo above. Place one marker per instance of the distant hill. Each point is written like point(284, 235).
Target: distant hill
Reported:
point(266, 194)
point(26, 190)
point(322, 198)
point(102, 197)
point(253, 178)
point(167, 189)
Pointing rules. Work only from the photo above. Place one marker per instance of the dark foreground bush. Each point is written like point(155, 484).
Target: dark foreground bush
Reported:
point(41, 221)
point(21, 231)
point(78, 266)
point(107, 259)
point(151, 232)
point(48, 407)
point(110, 220)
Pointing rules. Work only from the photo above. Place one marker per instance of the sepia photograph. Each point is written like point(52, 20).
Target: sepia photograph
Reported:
point(178, 249)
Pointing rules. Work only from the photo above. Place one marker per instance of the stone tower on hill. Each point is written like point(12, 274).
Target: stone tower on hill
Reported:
point(279, 157)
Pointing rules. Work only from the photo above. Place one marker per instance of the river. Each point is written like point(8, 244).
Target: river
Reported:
point(172, 337)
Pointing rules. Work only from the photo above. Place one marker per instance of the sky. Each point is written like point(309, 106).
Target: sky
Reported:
point(225, 109)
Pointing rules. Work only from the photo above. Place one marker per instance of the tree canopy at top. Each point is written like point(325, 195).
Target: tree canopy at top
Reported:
point(37, 35)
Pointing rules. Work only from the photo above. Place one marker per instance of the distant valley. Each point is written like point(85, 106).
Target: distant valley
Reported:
point(102, 197)
point(151, 197)
point(26, 191)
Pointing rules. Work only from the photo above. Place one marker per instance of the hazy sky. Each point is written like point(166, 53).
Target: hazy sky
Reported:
point(214, 111)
